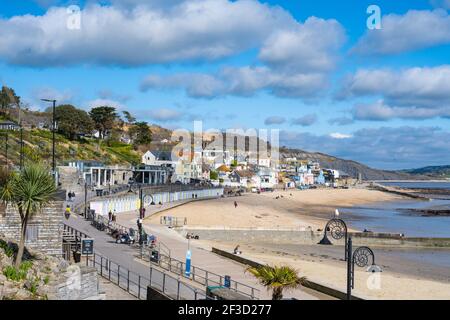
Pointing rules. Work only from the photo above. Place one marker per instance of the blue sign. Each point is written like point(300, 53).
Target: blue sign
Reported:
point(227, 282)
point(188, 263)
point(87, 246)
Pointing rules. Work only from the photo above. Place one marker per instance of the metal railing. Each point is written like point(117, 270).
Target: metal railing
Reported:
point(173, 221)
point(136, 284)
point(199, 275)
point(112, 225)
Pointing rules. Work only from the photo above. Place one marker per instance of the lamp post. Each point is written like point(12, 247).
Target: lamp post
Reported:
point(6, 149)
point(360, 257)
point(338, 230)
point(53, 134)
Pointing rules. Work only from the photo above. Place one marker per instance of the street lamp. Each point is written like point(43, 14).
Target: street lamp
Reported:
point(53, 134)
point(338, 230)
point(6, 149)
point(361, 257)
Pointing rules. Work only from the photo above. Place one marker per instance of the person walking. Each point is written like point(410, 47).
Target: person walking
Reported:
point(67, 212)
point(114, 216)
point(235, 204)
point(109, 215)
point(69, 196)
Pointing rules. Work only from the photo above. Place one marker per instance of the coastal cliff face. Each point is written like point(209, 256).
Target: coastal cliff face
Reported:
point(352, 168)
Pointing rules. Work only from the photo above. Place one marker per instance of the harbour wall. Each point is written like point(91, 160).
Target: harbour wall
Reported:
point(312, 237)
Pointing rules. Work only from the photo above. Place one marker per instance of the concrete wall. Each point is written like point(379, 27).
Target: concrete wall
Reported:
point(311, 237)
point(47, 226)
point(77, 283)
point(128, 203)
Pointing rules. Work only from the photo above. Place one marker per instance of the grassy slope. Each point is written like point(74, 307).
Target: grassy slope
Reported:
point(38, 147)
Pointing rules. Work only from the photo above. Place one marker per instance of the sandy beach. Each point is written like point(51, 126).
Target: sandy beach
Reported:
point(332, 272)
point(402, 278)
point(292, 210)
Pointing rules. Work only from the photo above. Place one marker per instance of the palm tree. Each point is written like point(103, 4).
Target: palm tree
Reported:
point(278, 278)
point(29, 191)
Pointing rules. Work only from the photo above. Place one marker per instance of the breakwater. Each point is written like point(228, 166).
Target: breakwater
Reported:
point(313, 237)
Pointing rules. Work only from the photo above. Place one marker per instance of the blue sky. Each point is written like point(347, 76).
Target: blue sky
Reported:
point(309, 68)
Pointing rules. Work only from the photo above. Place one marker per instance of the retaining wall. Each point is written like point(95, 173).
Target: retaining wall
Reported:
point(312, 237)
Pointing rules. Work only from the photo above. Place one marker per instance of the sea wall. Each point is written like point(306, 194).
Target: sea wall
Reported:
point(126, 203)
point(312, 237)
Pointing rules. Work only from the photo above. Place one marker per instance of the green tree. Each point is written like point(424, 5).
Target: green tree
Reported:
point(29, 191)
point(72, 121)
point(104, 119)
point(130, 119)
point(8, 98)
point(278, 279)
point(140, 134)
point(213, 175)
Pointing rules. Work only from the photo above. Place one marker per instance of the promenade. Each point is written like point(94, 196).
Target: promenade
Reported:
point(204, 258)
point(201, 257)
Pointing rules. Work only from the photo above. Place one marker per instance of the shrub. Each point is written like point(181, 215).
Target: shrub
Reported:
point(8, 250)
point(14, 274)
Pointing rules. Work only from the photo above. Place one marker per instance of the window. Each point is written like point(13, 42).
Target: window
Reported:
point(32, 233)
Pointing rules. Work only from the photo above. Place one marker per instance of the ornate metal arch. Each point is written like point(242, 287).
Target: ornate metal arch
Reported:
point(337, 228)
point(361, 257)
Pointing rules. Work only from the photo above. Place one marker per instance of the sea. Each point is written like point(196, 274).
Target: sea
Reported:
point(390, 216)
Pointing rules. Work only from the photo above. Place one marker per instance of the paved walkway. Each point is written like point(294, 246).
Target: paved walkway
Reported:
point(203, 258)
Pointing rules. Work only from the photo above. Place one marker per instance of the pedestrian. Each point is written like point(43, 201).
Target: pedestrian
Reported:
point(73, 195)
point(143, 213)
point(235, 204)
point(109, 215)
point(67, 212)
point(69, 196)
point(114, 216)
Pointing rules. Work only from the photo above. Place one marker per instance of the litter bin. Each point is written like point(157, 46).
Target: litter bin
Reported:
point(154, 256)
point(77, 256)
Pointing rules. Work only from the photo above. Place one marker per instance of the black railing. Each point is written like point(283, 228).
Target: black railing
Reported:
point(201, 276)
point(136, 284)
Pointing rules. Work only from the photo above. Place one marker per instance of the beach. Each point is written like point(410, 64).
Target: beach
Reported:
point(294, 209)
point(407, 273)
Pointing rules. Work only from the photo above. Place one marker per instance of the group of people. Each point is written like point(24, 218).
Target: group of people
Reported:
point(112, 216)
point(70, 195)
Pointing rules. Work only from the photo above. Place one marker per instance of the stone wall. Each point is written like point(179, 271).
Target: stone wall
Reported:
point(77, 283)
point(44, 228)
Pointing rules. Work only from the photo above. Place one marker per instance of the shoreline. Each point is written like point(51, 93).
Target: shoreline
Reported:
point(290, 209)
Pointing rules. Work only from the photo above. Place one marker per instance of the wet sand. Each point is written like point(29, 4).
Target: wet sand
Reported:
point(404, 276)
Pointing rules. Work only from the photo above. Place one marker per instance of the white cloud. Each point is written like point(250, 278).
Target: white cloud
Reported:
point(244, 81)
point(105, 102)
point(418, 88)
point(337, 135)
point(379, 111)
point(189, 31)
point(297, 60)
point(307, 47)
point(401, 33)
point(274, 120)
point(305, 121)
